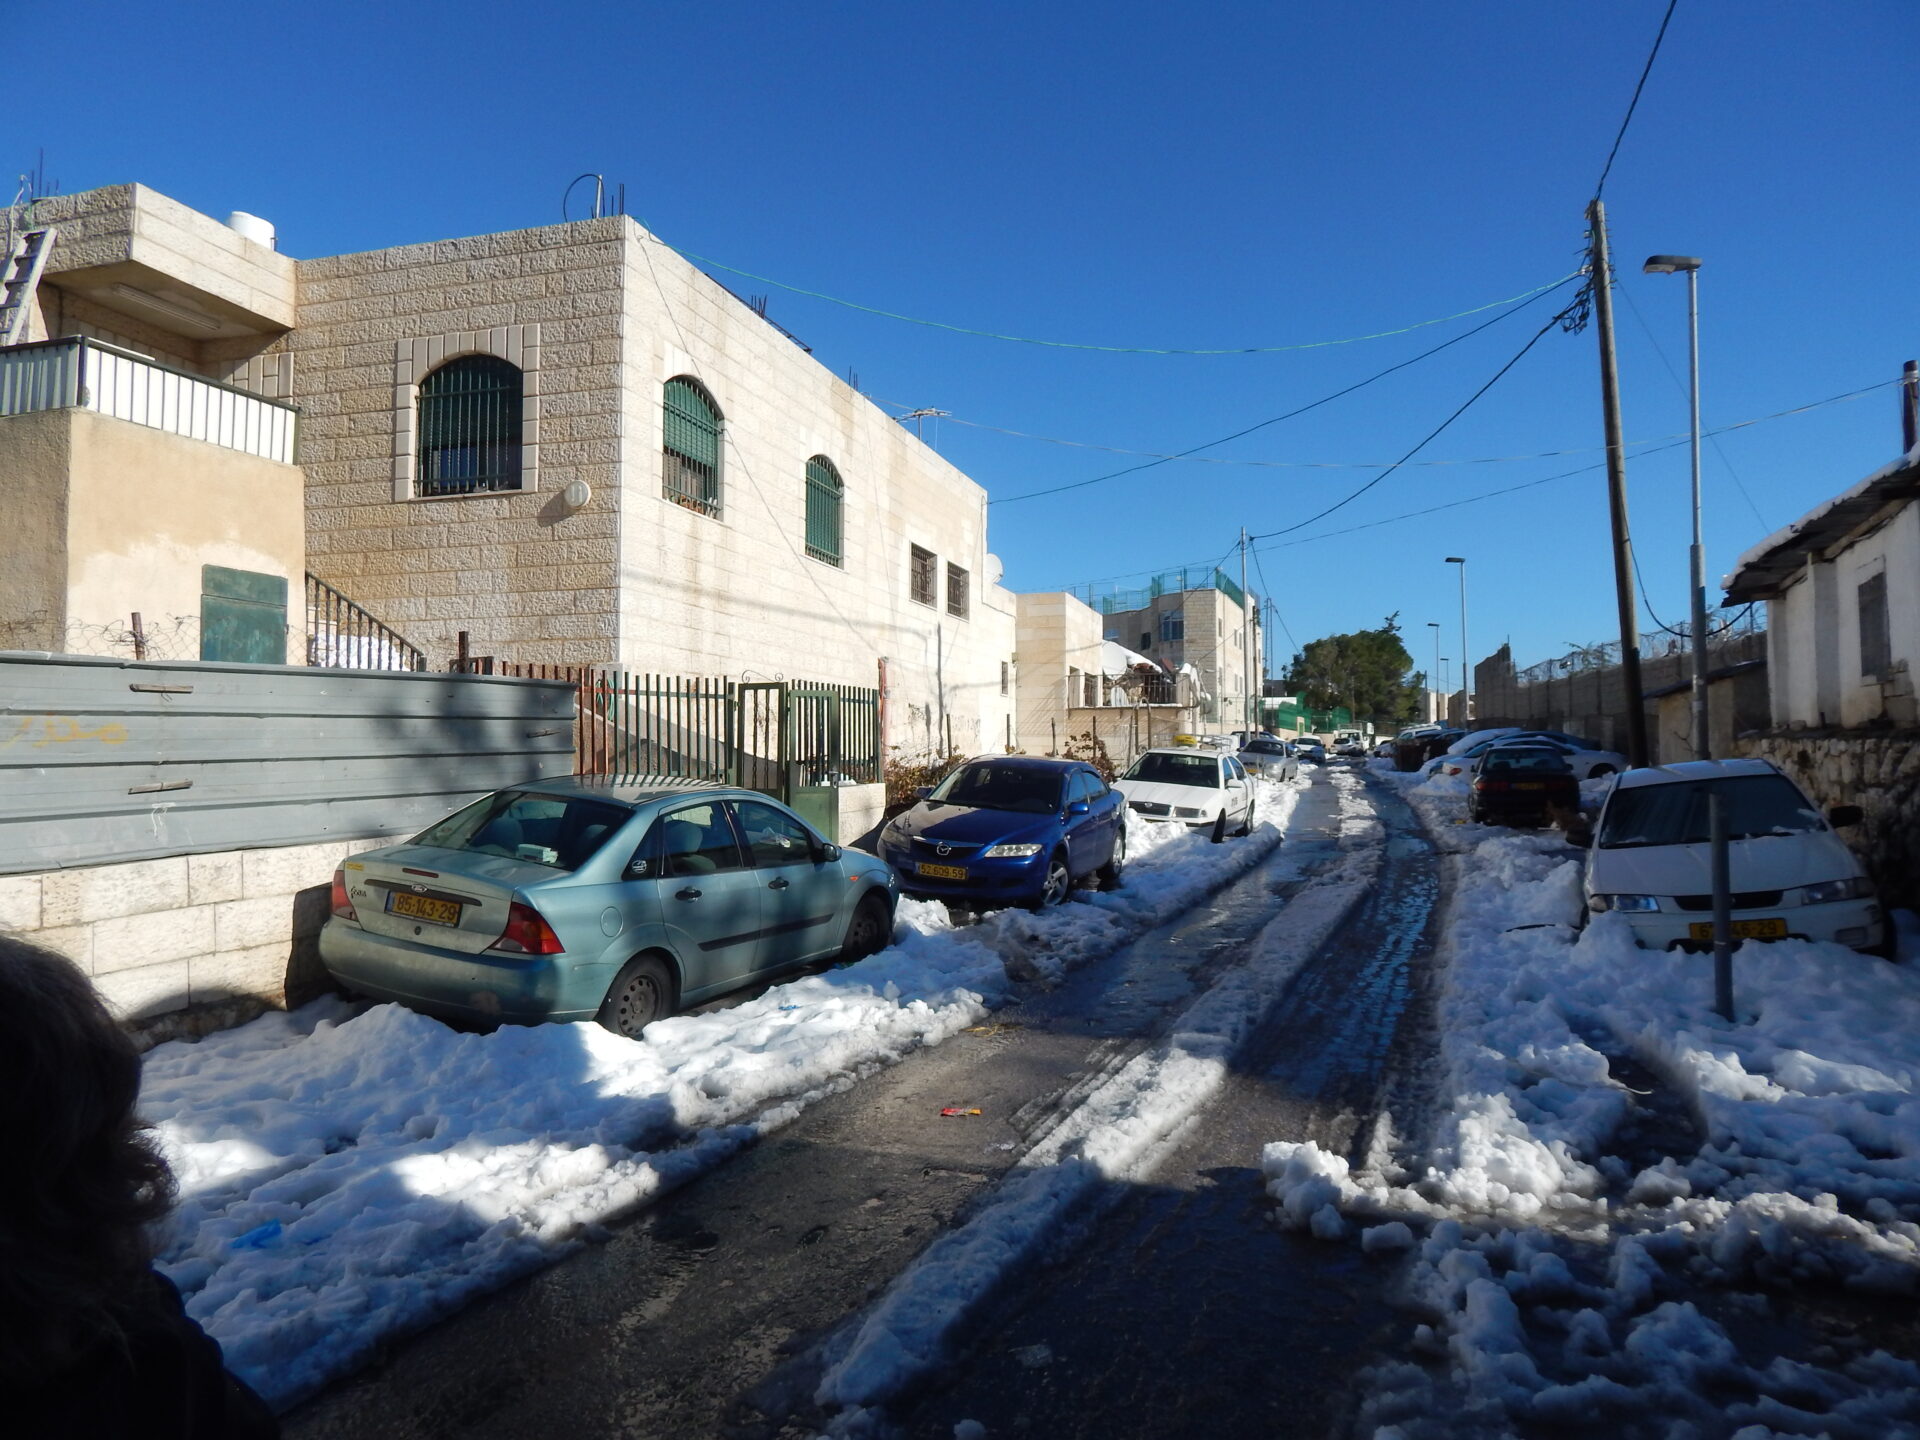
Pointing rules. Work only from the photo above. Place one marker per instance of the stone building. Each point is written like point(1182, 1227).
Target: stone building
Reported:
point(1077, 690)
point(1214, 628)
point(567, 442)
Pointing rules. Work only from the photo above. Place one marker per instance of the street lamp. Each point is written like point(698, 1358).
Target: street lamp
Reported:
point(1434, 625)
point(1466, 665)
point(1690, 266)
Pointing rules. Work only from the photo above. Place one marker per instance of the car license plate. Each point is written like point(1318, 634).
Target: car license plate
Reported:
point(419, 907)
point(1742, 930)
point(943, 872)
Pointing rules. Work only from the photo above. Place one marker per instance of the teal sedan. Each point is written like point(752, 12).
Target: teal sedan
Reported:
point(599, 898)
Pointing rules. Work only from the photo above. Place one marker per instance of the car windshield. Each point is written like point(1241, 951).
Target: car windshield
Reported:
point(1266, 747)
point(1157, 768)
point(1676, 814)
point(1001, 787)
point(560, 832)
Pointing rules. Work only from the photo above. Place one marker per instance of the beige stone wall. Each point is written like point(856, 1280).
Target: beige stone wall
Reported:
point(529, 577)
point(737, 593)
point(105, 518)
point(1057, 636)
point(158, 936)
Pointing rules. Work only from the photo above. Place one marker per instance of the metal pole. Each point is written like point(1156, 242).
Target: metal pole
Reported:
point(1702, 744)
point(1246, 639)
point(1433, 681)
point(1466, 663)
point(1722, 906)
point(1602, 280)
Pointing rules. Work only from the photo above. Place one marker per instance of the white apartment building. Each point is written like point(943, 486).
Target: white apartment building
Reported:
point(567, 442)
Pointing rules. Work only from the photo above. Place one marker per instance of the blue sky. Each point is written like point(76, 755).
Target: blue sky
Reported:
point(1152, 176)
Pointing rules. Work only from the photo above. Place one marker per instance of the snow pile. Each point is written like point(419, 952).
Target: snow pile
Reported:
point(1118, 1133)
point(347, 1175)
point(1604, 1140)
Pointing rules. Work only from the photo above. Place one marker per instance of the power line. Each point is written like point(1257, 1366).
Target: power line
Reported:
point(1634, 103)
point(1673, 444)
point(1538, 335)
point(1104, 349)
point(1275, 420)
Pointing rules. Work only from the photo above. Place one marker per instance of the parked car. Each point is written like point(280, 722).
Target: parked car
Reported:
point(1010, 830)
point(1650, 859)
point(1268, 755)
point(1308, 748)
point(1190, 788)
point(593, 898)
point(1586, 763)
point(1384, 750)
point(1522, 785)
point(1350, 743)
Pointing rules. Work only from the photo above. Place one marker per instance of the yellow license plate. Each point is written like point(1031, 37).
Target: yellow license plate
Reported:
point(419, 907)
point(1741, 930)
point(943, 872)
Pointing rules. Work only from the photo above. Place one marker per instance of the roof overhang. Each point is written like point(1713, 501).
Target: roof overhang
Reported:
point(1766, 570)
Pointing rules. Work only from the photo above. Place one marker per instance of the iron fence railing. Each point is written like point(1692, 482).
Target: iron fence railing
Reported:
point(343, 636)
point(78, 372)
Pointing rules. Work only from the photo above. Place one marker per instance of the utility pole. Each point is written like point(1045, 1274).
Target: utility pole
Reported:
point(1246, 637)
point(1601, 275)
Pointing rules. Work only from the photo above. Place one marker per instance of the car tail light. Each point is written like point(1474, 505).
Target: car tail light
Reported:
point(1491, 785)
point(527, 933)
point(342, 906)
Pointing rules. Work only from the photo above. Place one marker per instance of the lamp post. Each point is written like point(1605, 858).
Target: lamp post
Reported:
point(1446, 690)
point(1434, 679)
point(1466, 665)
point(1690, 266)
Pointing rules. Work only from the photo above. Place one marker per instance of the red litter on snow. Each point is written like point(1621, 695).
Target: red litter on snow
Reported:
point(952, 1110)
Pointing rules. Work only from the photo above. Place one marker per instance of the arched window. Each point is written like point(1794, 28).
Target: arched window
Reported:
point(691, 447)
point(824, 494)
point(469, 430)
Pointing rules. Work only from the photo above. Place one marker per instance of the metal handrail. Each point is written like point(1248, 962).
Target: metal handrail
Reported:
point(342, 635)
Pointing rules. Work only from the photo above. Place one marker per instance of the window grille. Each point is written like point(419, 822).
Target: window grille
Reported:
point(824, 495)
point(956, 591)
point(1173, 625)
point(1004, 667)
point(691, 449)
point(1876, 644)
point(469, 428)
point(925, 577)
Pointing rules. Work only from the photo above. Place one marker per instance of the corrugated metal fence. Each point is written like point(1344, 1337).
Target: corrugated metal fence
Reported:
point(104, 760)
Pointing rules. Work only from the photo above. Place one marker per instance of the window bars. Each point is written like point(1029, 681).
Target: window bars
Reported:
point(925, 577)
point(469, 428)
point(691, 447)
point(956, 591)
point(824, 496)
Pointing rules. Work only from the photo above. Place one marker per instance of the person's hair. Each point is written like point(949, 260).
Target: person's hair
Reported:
point(86, 1181)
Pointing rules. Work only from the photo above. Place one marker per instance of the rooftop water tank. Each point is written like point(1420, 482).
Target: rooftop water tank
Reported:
point(253, 227)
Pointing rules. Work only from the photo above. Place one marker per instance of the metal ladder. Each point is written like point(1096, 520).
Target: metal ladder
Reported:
point(25, 260)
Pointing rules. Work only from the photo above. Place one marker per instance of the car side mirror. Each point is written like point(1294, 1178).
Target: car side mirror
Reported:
point(1078, 807)
point(826, 852)
point(1839, 815)
point(921, 792)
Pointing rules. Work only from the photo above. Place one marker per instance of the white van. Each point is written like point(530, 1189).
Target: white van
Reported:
point(1651, 860)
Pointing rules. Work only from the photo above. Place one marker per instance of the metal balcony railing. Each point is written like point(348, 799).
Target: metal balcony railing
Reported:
point(1088, 691)
point(76, 372)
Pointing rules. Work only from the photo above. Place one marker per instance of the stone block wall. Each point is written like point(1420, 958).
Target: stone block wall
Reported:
point(185, 944)
point(1879, 772)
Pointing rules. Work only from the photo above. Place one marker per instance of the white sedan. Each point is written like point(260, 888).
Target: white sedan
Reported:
point(1198, 788)
point(1586, 764)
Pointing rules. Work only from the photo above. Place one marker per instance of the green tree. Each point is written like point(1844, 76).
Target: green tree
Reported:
point(1369, 672)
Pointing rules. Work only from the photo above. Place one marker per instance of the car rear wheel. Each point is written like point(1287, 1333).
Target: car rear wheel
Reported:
point(868, 931)
point(1597, 771)
point(1108, 874)
point(1246, 824)
point(641, 993)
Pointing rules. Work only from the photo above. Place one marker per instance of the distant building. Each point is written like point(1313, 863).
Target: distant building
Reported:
point(1212, 628)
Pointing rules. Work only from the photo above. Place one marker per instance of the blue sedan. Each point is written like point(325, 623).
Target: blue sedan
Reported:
point(590, 898)
point(1010, 830)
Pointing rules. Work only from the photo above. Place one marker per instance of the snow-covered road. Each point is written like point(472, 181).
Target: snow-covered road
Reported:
point(348, 1175)
point(1627, 1211)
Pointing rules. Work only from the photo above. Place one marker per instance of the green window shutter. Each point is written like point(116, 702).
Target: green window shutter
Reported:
point(243, 616)
point(691, 429)
point(824, 495)
point(469, 427)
